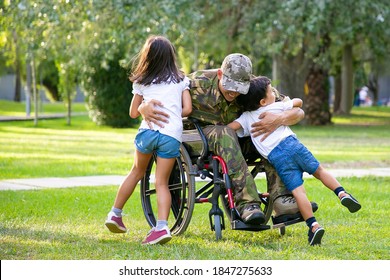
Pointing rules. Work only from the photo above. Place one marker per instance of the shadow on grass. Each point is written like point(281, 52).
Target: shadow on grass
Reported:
point(25, 243)
point(31, 244)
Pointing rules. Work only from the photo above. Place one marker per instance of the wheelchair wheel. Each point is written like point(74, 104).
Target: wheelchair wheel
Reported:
point(218, 227)
point(182, 188)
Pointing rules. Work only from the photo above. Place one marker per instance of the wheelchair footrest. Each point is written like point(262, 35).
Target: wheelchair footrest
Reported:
point(287, 222)
point(240, 225)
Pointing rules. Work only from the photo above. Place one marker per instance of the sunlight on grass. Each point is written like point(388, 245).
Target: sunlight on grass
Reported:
point(52, 152)
point(365, 116)
point(69, 224)
point(10, 108)
point(53, 149)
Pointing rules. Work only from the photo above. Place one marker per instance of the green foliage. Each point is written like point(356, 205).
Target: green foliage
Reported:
point(69, 32)
point(287, 27)
point(50, 78)
point(108, 90)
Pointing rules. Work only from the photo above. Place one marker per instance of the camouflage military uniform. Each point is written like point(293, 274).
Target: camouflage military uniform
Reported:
point(214, 113)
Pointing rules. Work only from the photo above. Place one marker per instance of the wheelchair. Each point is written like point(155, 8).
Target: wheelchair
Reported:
point(199, 176)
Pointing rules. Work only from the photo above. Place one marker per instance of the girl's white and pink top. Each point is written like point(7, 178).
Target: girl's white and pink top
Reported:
point(170, 95)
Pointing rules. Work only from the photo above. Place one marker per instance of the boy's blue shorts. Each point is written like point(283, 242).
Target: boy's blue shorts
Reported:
point(148, 140)
point(290, 159)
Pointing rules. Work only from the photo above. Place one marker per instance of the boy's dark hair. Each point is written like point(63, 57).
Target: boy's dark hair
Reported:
point(257, 91)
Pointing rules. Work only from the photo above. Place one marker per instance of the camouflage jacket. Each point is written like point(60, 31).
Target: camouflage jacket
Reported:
point(208, 103)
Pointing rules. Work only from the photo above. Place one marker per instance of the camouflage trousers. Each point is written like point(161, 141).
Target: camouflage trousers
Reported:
point(223, 141)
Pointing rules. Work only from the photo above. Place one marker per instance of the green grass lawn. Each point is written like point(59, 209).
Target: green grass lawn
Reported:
point(68, 224)
point(10, 108)
point(54, 149)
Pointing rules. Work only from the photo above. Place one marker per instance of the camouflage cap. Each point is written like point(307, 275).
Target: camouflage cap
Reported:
point(236, 69)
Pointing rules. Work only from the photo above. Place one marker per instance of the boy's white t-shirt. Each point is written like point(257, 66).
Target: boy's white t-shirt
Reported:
point(170, 95)
point(248, 118)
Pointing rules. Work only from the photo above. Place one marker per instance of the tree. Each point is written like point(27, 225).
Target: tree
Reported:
point(303, 41)
point(10, 51)
point(25, 23)
point(304, 35)
point(359, 35)
point(296, 44)
point(117, 41)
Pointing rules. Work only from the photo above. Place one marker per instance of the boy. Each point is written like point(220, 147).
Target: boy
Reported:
point(284, 151)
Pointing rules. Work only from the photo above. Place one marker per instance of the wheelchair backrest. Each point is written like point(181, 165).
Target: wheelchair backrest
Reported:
point(194, 139)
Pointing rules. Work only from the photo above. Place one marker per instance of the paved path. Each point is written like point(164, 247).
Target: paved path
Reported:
point(42, 183)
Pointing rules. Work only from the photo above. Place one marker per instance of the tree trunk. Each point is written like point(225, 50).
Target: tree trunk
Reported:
point(18, 83)
point(289, 75)
point(35, 92)
point(337, 94)
point(235, 13)
point(195, 65)
point(69, 115)
point(316, 103)
point(373, 87)
point(347, 81)
point(28, 86)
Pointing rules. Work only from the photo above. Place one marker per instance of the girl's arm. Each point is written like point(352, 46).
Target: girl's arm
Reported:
point(186, 103)
point(135, 102)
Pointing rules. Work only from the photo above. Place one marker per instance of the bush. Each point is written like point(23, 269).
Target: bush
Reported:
point(108, 90)
point(50, 79)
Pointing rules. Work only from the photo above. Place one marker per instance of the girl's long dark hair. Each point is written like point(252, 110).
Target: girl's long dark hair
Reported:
point(156, 63)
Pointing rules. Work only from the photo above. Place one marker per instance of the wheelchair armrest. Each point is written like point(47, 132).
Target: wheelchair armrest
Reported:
point(205, 149)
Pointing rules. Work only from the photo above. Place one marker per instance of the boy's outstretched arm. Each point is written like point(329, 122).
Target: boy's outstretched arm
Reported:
point(234, 125)
point(297, 102)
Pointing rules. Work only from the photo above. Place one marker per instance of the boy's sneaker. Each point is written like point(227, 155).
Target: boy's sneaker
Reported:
point(316, 236)
point(351, 203)
point(286, 209)
point(157, 236)
point(115, 224)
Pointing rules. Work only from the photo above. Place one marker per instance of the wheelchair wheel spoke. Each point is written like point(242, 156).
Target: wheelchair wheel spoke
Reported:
point(182, 189)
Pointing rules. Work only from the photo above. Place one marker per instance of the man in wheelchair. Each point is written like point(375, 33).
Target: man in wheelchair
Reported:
point(214, 94)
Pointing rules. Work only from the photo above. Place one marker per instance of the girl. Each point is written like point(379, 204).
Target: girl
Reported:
point(156, 77)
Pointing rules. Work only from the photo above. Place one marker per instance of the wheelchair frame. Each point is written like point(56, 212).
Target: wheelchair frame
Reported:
point(192, 164)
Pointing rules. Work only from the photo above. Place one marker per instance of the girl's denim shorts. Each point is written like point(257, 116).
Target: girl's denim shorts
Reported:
point(165, 146)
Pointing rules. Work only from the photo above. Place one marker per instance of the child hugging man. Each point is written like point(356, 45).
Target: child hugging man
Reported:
point(286, 153)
